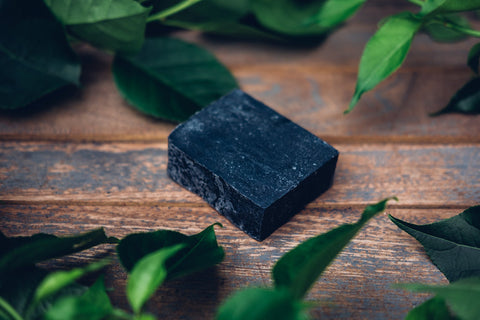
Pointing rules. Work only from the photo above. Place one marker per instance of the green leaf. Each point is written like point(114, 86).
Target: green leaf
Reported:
point(385, 52)
point(7, 312)
point(437, 30)
point(147, 275)
point(474, 58)
point(304, 17)
point(35, 57)
point(18, 288)
point(201, 250)
point(216, 16)
point(92, 305)
point(19, 252)
point(171, 79)
point(433, 309)
point(461, 297)
point(239, 29)
point(299, 268)
point(452, 244)
point(261, 304)
point(431, 7)
point(115, 25)
point(203, 11)
point(55, 281)
point(466, 100)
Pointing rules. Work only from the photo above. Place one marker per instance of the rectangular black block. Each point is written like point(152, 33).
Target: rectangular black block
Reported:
point(251, 164)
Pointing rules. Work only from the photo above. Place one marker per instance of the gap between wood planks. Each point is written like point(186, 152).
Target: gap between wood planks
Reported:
point(154, 138)
point(151, 203)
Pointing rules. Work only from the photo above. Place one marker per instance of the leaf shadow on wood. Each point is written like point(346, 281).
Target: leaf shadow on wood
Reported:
point(193, 297)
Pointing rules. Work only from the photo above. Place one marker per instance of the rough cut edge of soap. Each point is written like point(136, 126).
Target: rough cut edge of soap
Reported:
point(243, 212)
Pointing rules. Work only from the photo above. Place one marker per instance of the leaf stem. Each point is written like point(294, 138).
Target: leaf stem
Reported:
point(4, 305)
point(465, 30)
point(172, 10)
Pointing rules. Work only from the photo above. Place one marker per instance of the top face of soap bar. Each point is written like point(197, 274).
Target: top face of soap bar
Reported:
point(255, 150)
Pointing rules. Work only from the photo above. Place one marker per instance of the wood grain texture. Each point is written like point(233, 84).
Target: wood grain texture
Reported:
point(356, 286)
point(85, 159)
point(312, 85)
point(425, 175)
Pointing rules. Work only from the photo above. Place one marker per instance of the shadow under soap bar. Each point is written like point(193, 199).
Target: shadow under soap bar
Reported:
point(250, 163)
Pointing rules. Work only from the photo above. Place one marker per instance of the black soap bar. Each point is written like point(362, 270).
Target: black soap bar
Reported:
point(251, 164)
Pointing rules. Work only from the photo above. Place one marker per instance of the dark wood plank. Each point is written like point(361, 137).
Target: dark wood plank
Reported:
point(312, 85)
point(420, 175)
point(356, 286)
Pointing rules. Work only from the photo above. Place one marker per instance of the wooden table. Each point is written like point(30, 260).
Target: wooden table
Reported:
point(86, 159)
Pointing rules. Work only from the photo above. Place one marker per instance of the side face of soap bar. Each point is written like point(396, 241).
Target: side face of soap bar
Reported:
point(248, 162)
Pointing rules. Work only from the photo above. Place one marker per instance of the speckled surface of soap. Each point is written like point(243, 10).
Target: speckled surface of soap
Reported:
point(250, 163)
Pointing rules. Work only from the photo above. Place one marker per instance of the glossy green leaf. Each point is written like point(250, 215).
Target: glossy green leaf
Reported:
point(385, 52)
point(452, 244)
point(466, 100)
point(437, 30)
point(474, 58)
point(92, 305)
point(299, 268)
point(147, 275)
point(433, 309)
point(115, 25)
point(19, 252)
point(55, 281)
point(261, 304)
point(35, 57)
point(461, 296)
point(201, 250)
point(171, 79)
point(303, 17)
point(431, 7)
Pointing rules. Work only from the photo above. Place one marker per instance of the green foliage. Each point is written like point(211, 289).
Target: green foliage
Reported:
point(452, 244)
point(473, 60)
point(302, 18)
point(461, 296)
point(466, 100)
point(433, 309)
point(20, 252)
point(438, 30)
point(114, 25)
point(35, 58)
point(7, 312)
point(430, 7)
point(171, 79)
point(94, 304)
point(299, 268)
point(147, 275)
point(387, 49)
point(294, 274)
point(261, 304)
point(199, 251)
point(56, 281)
point(385, 52)
point(28, 292)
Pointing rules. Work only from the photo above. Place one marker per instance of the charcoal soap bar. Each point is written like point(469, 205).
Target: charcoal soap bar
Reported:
point(251, 164)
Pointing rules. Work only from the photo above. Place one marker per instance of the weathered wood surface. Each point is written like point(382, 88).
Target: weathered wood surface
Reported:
point(420, 175)
point(86, 159)
point(356, 286)
point(310, 85)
